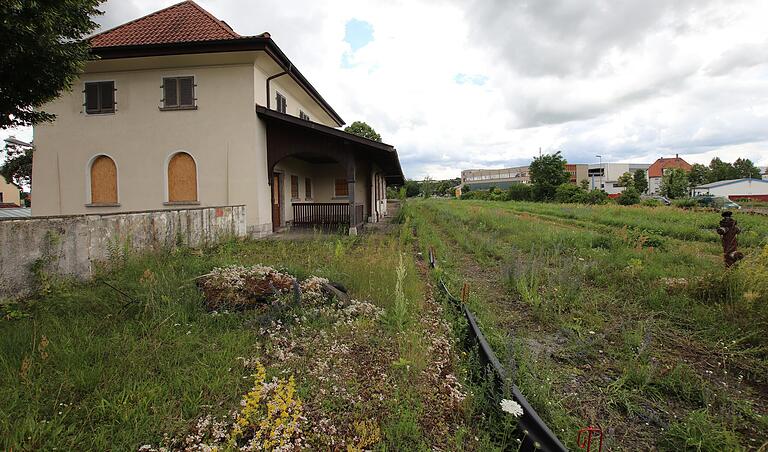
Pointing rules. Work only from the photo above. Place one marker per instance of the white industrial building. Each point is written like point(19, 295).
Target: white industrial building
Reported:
point(735, 188)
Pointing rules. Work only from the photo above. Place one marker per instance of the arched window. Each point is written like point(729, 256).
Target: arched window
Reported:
point(103, 180)
point(182, 178)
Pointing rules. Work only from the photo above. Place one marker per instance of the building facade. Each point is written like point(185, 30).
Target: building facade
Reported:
point(179, 110)
point(735, 189)
point(605, 176)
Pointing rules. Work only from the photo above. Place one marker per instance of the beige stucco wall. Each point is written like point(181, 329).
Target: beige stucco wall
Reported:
point(223, 134)
point(10, 192)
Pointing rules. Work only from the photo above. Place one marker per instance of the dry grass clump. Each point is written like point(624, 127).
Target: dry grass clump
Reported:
point(236, 288)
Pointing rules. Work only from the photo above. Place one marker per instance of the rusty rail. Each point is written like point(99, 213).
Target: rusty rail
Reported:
point(536, 435)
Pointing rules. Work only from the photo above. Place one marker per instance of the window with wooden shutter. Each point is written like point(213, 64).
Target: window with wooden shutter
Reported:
point(341, 188)
point(282, 103)
point(99, 97)
point(182, 179)
point(179, 93)
point(303, 115)
point(294, 187)
point(103, 181)
point(308, 188)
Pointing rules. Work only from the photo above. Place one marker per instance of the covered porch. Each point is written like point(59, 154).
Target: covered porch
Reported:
point(324, 177)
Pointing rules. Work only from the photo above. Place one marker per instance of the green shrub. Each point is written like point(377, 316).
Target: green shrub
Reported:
point(629, 197)
point(479, 194)
point(595, 197)
point(651, 203)
point(498, 195)
point(569, 193)
point(685, 203)
point(520, 192)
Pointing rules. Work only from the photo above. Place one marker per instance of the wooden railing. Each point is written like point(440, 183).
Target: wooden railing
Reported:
point(325, 213)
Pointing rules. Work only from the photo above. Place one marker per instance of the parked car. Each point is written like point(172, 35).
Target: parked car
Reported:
point(716, 202)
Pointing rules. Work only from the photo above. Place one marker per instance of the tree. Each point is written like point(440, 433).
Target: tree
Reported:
point(720, 170)
point(698, 175)
point(630, 196)
point(547, 173)
point(411, 188)
point(427, 187)
point(746, 169)
point(626, 180)
point(362, 129)
point(42, 54)
point(674, 184)
point(584, 184)
point(641, 181)
point(17, 167)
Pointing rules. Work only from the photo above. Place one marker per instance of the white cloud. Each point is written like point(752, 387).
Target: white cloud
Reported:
point(628, 79)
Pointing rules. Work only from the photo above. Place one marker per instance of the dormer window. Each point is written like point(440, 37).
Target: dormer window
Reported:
point(99, 97)
point(303, 115)
point(178, 93)
point(281, 103)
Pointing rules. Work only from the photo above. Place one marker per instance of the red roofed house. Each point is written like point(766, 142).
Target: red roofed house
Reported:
point(176, 110)
point(659, 167)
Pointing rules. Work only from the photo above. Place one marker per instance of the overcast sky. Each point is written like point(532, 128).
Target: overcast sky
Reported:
point(458, 84)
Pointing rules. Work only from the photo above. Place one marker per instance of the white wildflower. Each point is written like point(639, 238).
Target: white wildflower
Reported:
point(511, 407)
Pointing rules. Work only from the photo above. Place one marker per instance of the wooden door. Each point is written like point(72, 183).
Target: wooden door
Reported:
point(277, 205)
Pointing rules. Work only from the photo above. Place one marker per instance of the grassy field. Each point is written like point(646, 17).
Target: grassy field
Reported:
point(83, 367)
point(622, 316)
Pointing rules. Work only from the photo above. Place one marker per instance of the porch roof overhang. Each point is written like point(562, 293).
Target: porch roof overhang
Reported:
point(296, 135)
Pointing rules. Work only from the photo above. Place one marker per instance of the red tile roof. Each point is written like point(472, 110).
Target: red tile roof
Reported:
point(658, 167)
point(182, 22)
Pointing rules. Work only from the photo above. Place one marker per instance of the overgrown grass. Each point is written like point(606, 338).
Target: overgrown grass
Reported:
point(84, 367)
point(614, 313)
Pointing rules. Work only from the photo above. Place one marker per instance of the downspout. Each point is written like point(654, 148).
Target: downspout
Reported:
point(269, 79)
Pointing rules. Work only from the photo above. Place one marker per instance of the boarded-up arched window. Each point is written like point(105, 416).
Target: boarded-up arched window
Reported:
point(103, 181)
point(182, 178)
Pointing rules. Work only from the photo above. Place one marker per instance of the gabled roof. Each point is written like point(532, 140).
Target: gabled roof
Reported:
point(182, 22)
point(186, 28)
point(732, 181)
point(657, 168)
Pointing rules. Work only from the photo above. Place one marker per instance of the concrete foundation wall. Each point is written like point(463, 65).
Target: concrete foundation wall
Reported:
point(71, 245)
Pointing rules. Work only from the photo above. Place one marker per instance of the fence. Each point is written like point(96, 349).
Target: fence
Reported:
point(72, 245)
point(536, 434)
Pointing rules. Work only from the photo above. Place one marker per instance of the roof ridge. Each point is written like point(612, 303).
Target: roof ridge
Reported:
point(218, 21)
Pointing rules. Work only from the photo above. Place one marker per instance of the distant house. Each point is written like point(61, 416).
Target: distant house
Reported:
point(10, 194)
point(736, 189)
point(765, 173)
point(658, 168)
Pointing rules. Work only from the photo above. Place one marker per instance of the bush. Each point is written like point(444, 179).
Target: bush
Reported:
point(520, 192)
point(595, 197)
point(685, 203)
point(629, 197)
point(651, 203)
point(498, 195)
point(479, 194)
point(569, 193)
